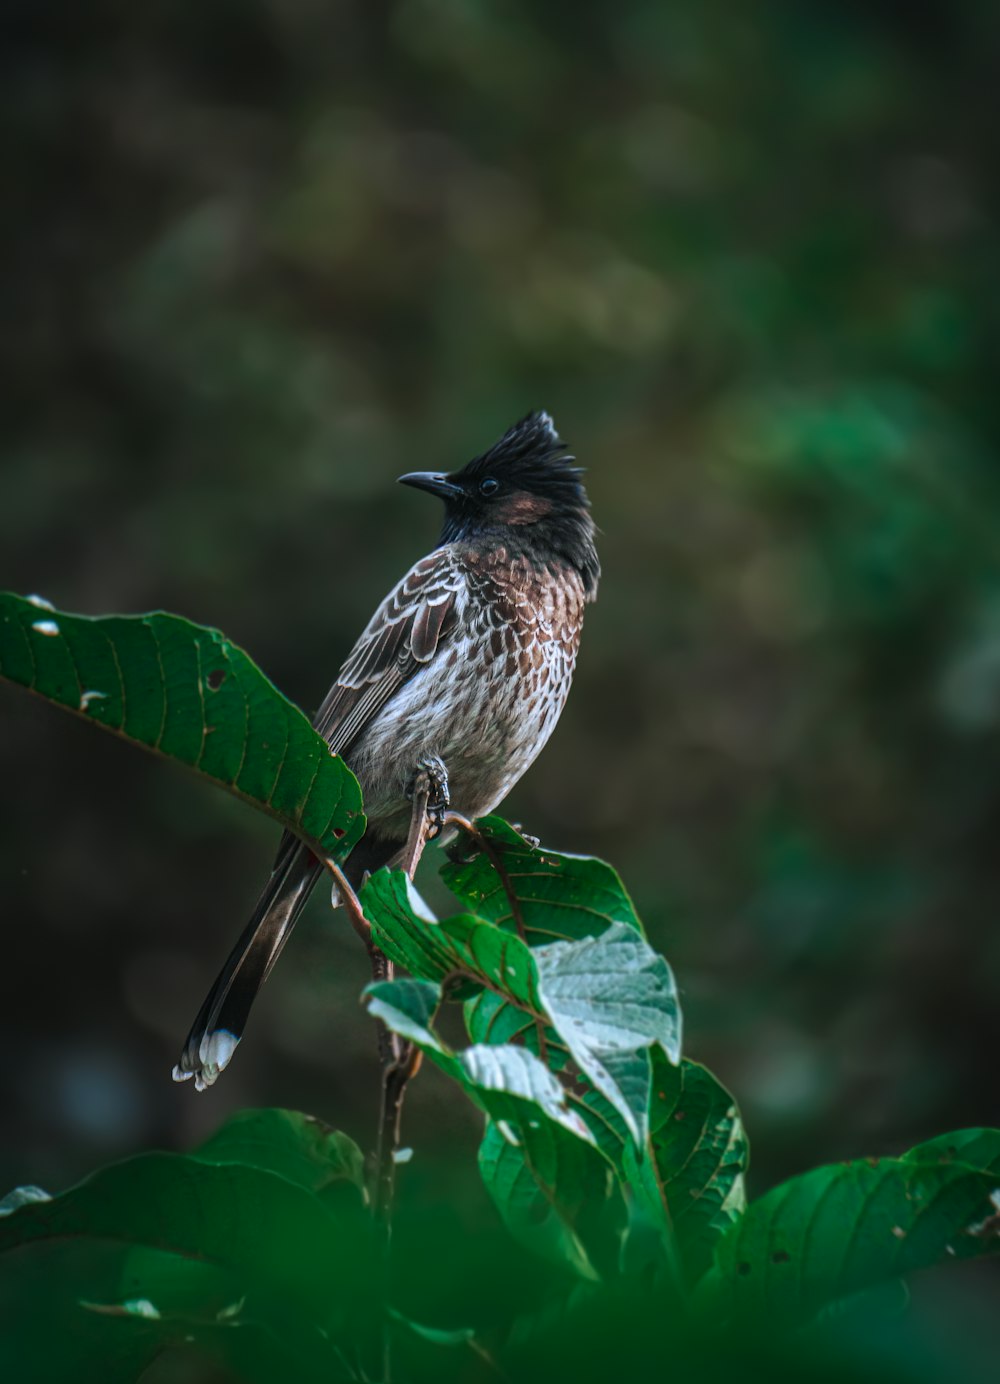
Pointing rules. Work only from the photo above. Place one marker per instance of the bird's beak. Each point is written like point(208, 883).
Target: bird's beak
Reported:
point(433, 482)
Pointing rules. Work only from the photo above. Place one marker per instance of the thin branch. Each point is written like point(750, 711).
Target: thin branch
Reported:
point(399, 1060)
point(350, 901)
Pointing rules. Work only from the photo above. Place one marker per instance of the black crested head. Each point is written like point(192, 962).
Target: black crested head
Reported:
point(525, 490)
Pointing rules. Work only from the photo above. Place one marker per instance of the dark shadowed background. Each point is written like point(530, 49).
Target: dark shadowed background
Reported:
point(260, 258)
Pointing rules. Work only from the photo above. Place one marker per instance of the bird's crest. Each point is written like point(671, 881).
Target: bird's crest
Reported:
point(530, 442)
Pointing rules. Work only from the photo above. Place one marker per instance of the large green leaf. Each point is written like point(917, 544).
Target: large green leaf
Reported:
point(299, 1147)
point(546, 895)
point(207, 1303)
point(246, 1337)
point(190, 694)
point(838, 1230)
point(541, 1184)
point(976, 1148)
point(689, 1178)
point(277, 1240)
point(609, 998)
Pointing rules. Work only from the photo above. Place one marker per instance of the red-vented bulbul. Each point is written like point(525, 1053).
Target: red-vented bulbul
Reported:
point(463, 670)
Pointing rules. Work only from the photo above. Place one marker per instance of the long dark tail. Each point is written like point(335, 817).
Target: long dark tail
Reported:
point(224, 1014)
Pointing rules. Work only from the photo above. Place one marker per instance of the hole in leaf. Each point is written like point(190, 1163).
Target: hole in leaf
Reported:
point(338, 832)
point(215, 679)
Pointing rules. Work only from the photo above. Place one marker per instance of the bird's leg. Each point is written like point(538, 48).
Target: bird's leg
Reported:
point(432, 776)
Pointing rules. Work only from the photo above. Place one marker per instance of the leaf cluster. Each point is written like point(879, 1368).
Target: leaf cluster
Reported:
point(608, 1155)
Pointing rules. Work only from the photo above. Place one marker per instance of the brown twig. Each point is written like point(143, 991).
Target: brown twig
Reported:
point(350, 901)
point(397, 1056)
point(399, 1060)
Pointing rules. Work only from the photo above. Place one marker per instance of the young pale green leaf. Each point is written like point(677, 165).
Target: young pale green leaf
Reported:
point(838, 1230)
point(291, 1248)
point(190, 694)
point(489, 1019)
point(613, 1001)
point(541, 894)
point(610, 999)
point(509, 1084)
point(615, 1090)
point(690, 1176)
point(540, 1184)
point(298, 1147)
point(407, 1007)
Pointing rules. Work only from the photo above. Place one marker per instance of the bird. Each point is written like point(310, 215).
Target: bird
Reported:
point(461, 673)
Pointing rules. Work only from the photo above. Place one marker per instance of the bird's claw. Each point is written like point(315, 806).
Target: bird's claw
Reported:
point(431, 777)
point(533, 841)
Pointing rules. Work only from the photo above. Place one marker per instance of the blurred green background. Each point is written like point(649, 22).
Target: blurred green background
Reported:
point(260, 258)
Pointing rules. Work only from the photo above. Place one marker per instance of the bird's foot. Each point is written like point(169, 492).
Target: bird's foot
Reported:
point(432, 777)
point(533, 841)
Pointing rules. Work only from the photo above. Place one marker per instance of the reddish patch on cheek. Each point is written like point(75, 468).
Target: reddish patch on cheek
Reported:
point(524, 508)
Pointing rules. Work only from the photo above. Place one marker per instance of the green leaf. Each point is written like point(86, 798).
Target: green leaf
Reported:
point(610, 998)
point(556, 897)
point(190, 694)
point(299, 1147)
point(509, 1084)
point(275, 1238)
point(188, 1307)
point(491, 1020)
point(540, 1182)
point(690, 1176)
point(838, 1230)
point(461, 946)
point(975, 1148)
point(408, 1007)
point(206, 1301)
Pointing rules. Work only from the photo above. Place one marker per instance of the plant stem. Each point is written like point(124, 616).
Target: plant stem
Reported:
point(399, 1061)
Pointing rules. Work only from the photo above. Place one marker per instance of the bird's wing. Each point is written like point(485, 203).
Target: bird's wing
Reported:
point(402, 637)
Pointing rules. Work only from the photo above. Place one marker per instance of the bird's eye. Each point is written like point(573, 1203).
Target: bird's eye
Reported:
point(489, 486)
